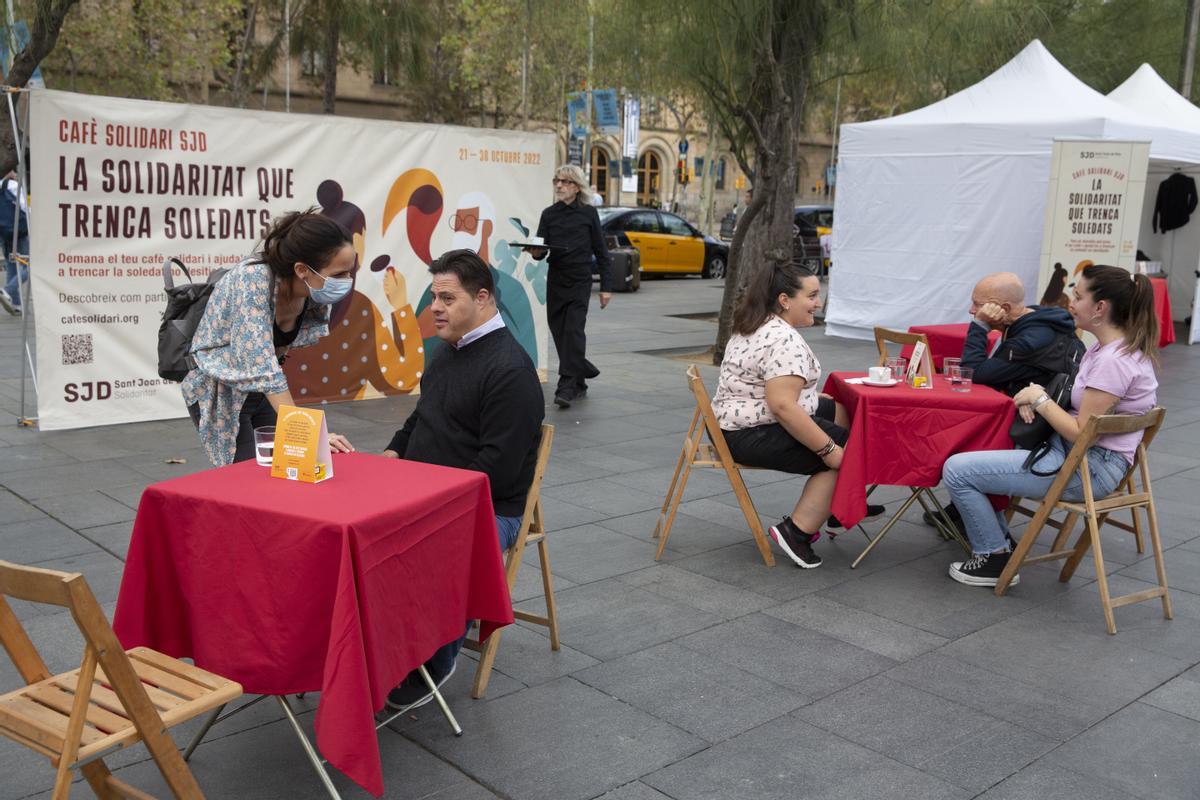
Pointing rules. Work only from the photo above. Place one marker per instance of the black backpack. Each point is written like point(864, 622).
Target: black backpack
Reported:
point(1061, 355)
point(185, 308)
point(10, 214)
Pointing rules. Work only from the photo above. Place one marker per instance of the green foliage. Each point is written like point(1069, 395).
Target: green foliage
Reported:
point(154, 49)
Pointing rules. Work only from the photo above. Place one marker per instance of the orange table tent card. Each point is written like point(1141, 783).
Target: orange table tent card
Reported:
point(920, 368)
point(302, 446)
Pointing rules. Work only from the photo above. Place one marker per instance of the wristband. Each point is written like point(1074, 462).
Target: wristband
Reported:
point(1045, 398)
point(827, 449)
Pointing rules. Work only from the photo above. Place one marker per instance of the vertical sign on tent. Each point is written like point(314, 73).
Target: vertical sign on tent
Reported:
point(633, 115)
point(123, 184)
point(1093, 211)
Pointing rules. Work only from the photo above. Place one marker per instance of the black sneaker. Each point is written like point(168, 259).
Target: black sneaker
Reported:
point(414, 692)
point(957, 520)
point(795, 543)
point(982, 570)
point(834, 522)
point(563, 398)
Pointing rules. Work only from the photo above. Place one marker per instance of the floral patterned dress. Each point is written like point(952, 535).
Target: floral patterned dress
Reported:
point(234, 350)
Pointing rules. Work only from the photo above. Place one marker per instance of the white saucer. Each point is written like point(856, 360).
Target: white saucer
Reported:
point(869, 382)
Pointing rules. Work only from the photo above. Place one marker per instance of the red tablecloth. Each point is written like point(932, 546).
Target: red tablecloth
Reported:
point(946, 341)
point(341, 587)
point(902, 437)
point(1162, 307)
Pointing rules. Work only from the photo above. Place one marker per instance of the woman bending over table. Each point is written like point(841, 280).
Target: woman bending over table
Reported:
point(276, 299)
point(768, 406)
point(1116, 375)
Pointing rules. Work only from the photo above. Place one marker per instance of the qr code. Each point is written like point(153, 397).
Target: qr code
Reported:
point(77, 348)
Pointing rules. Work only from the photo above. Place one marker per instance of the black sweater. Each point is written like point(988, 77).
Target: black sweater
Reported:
point(480, 408)
point(576, 237)
point(1175, 202)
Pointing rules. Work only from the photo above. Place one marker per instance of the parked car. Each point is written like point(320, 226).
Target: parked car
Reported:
point(812, 222)
point(668, 243)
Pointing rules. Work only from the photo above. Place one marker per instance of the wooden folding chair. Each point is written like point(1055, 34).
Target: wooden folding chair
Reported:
point(1096, 513)
point(115, 698)
point(533, 531)
point(884, 335)
point(696, 453)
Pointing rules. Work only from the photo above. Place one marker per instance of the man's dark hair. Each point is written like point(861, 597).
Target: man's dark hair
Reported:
point(471, 270)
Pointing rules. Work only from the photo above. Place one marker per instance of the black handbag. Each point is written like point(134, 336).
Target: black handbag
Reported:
point(1035, 436)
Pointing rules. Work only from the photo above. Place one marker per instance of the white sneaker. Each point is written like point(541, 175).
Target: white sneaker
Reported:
point(6, 301)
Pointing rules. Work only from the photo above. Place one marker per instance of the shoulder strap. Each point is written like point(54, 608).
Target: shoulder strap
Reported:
point(168, 278)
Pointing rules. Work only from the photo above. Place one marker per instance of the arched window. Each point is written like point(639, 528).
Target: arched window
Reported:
point(600, 173)
point(720, 174)
point(649, 173)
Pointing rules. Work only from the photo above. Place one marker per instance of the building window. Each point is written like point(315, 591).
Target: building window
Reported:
point(720, 174)
point(649, 173)
point(312, 63)
point(600, 173)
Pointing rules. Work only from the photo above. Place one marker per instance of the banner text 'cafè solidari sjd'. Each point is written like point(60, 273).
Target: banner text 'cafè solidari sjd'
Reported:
point(120, 185)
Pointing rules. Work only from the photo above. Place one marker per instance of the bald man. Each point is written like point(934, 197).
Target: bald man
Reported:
point(1036, 342)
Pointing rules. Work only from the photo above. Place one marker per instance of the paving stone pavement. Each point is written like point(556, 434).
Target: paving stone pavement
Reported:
point(706, 675)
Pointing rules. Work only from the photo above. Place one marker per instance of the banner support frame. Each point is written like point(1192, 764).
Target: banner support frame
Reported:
point(24, 283)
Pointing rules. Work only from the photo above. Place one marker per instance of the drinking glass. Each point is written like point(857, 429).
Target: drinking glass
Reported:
point(949, 364)
point(264, 445)
point(960, 378)
point(898, 365)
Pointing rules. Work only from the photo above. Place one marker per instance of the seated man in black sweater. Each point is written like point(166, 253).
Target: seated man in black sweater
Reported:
point(480, 408)
point(1036, 342)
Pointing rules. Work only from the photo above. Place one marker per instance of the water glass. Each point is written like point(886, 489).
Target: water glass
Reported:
point(960, 378)
point(898, 365)
point(949, 364)
point(264, 445)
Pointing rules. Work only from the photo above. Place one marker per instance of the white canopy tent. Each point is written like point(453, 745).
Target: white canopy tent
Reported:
point(930, 201)
point(1148, 95)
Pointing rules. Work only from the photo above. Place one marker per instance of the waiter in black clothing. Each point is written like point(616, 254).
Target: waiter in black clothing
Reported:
point(572, 229)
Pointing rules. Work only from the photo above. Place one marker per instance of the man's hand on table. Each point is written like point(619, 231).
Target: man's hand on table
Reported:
point(340, 444)
point(390, 454)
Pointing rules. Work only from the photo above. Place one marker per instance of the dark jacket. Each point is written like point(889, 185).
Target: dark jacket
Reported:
point(1015, 364)
point(480, 408)
point(1175, 202)
point(575, 237)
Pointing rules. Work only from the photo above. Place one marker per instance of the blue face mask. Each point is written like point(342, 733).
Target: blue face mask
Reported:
point(332, 290)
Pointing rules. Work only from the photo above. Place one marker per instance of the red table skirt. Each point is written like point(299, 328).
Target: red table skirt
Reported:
point(342, 587)
point(946, 341)
point(1162, 307)
point(902, 437)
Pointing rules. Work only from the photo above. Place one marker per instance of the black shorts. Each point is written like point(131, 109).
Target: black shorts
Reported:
point(772, 447)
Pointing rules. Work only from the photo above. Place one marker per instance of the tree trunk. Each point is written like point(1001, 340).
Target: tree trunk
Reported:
point(333, 30)
point(47, 23)
point(1187, 61)
point(239, 89)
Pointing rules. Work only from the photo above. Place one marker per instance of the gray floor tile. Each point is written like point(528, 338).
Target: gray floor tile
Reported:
point(590, 553)
point(863, 629)
point(596, 742)
point(1026, 704)
point(85, 510)
point(1142, 750)
point(50, 481)
point(633, 791)
point(1040, 781)
point(698, 591)
point(1179, 696)
point(688, 535)
point(14, 508)
point(699, 694)
point(525, 655)
point(604, 496)
point(791, 656)
point(788, 759)
point(608, 618)
point(1182, 566)
point(39, 540)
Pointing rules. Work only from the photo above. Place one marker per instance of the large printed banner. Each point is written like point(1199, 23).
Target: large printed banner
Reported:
point(1093, 210)
point(120, 185)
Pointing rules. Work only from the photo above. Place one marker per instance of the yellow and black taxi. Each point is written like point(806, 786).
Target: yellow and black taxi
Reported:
point(812, 222)
point(668, 244)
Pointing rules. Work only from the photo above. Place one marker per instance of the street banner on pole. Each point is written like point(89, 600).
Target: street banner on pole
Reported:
point(608, 115)
point(633, 118)
point(1093, 210)
point(577, 114)
point(123, 184)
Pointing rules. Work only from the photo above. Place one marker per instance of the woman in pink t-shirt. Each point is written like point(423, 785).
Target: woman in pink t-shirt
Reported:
point(1116, 375)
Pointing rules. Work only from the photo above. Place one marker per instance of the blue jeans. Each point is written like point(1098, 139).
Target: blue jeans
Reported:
point(12, 282)
point(971, 477)
point(443, 660)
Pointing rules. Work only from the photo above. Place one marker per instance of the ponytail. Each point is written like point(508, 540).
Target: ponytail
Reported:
point(1131, 298)
point(760, 295)
point(303, 236)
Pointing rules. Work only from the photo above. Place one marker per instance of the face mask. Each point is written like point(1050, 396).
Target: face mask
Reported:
point(331, 291)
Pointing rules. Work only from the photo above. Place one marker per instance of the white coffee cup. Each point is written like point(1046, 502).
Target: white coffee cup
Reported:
point(880, 374)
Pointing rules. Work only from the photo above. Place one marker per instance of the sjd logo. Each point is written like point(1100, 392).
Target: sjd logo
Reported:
point(88, 390)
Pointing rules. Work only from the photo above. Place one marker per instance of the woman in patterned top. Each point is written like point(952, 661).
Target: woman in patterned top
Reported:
point(277, 299)
point(768, 406)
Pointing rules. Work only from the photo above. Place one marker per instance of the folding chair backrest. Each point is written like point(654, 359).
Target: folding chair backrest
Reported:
point(884, 335)
point(534, 495)
point(704, 406)
point(71, 591)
